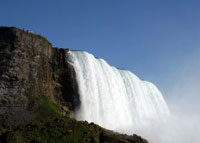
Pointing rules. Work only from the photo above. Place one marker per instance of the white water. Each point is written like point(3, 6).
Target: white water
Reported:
point(113, 98)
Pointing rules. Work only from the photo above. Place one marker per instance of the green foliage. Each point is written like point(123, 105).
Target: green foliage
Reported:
point(15, 137)
point(64, 130)
point(58, 130)
point(51, 127)
point(47, 109)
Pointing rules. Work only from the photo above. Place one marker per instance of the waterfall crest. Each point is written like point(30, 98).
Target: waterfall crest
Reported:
point(113, 98)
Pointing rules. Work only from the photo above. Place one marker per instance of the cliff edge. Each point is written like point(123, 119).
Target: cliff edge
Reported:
point(38, 93)
point(30, 68)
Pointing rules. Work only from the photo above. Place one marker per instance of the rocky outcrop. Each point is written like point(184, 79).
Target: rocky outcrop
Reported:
point(38, 91)
point(30, 67)
point(64, 79)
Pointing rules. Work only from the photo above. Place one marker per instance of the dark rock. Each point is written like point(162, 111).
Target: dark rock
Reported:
point(30, 67)
point(64, 74)
point(37, 87)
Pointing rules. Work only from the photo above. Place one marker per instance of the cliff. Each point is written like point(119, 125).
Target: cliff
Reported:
point(38, 92)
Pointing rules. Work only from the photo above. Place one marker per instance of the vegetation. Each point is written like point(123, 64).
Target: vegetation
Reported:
point(39, 93)
point(50, 126)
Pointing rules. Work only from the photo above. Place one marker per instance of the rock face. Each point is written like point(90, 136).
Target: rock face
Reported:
point(38, 91)
point(30, 67)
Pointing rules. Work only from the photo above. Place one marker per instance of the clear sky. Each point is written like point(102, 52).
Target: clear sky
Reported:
point(158, 40)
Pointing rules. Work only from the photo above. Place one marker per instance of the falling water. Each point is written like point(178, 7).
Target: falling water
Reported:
point(113, 98)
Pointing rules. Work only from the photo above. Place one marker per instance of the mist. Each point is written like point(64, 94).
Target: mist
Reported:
point(184, 103)
point(181, 126)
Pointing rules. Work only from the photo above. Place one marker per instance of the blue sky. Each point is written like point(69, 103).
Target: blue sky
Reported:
point(156, 39)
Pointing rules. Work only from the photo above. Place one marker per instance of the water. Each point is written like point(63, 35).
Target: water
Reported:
point(113, 98)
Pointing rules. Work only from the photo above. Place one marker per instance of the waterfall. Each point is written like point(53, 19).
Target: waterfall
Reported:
point(114, 98)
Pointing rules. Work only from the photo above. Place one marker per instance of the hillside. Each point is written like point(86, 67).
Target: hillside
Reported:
point(39, 93)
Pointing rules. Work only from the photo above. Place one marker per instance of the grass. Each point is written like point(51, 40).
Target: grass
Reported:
point(47, 109)
point(50, 126)
point(58, 130)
